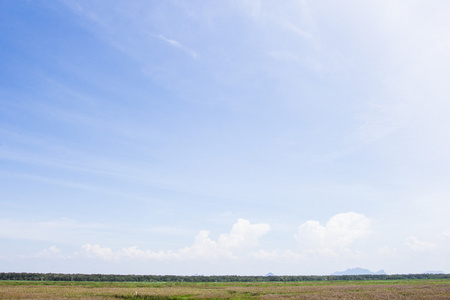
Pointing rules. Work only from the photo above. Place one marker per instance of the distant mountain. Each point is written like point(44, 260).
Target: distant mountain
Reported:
point(359, 271)
point(269, 274)
point(434, 272)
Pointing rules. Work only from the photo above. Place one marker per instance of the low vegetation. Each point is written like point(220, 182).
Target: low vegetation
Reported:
point(228, 278)
point(436, 288)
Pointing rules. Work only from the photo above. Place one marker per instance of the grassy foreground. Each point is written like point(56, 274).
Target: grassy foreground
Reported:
point(396, 289)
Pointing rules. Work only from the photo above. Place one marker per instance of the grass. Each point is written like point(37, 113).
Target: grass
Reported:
point(395, 289)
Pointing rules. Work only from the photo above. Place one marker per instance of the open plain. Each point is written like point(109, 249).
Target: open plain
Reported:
point(396, 289)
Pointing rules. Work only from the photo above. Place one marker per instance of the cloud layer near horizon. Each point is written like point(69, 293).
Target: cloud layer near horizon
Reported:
point(316, 243)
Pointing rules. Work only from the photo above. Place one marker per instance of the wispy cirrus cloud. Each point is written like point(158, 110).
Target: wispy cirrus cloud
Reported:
point(178, 45)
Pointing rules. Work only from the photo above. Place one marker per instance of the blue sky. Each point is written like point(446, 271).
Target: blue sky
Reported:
point(231, 137)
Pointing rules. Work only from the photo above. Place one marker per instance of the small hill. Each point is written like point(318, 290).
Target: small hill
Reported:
point(358, 271)
point(269, 274)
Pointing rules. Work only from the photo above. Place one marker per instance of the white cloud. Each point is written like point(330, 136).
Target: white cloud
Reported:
point(419, 246)
point(96, 251)
point(337, 235)
point(135, 253)
point(243, 235)
point(50, 252)
point(204, 247)
point(130, 253)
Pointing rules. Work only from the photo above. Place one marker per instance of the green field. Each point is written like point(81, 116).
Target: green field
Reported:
point(385, 289)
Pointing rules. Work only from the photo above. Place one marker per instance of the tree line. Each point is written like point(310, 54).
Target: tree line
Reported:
point(221, 278)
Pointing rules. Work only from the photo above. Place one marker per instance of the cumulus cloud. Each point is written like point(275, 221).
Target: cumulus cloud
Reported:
point(338, 233)
point(97, 251)
point(52, 250)
point(243, 235)
point(204, 247)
